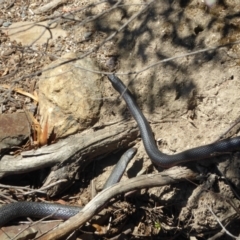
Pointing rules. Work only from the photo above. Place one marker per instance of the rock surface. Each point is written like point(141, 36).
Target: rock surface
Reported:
point(69, 97)
point(31, 33)
point(14, 130)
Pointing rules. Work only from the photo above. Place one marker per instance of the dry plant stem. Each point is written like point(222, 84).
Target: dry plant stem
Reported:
point(30, 225)
point(217, 235)
point(3, 196)
point(236, 122)
point(170, 176)
point(20, 233)
point(29, 190)
point(223, 228)
point(43, 189)
point(15, 187)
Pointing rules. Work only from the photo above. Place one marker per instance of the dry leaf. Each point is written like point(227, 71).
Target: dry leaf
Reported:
point(43, 138)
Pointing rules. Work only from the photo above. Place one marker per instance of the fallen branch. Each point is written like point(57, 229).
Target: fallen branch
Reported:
point(169, 176)
point(80, 148)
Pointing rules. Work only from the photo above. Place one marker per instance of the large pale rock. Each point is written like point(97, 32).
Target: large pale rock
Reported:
point(69, 97)
point(31, 33)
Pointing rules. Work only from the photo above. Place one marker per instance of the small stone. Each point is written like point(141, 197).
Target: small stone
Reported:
point(6, 24)
point(87, 35)
point(1, 22)
point(14, 130)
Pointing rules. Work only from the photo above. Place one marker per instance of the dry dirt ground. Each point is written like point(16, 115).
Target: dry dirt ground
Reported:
point(190, 99)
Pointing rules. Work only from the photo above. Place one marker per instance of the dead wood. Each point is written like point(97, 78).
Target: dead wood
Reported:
point(80, 149)
point(170, 176)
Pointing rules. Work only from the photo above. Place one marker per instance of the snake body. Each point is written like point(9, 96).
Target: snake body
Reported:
point(15, 210)
point(159, 158)
point(121, 165)
point(37, 210)
point(40, 210)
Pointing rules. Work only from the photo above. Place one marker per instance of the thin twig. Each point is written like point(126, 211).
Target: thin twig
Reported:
point(237, 121)
point(43, 189)
point(158, 62)
point(31, 191)
point(217, 219)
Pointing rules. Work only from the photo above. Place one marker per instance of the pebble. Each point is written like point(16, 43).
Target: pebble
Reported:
point(1, 22)
point(87, 35)
point(6, 24)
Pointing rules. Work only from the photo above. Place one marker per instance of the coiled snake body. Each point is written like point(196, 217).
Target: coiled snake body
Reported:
point(32, 209)
point(40, 210)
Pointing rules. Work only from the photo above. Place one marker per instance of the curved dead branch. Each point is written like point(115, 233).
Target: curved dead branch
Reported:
point(170, 176)
point(81, 148)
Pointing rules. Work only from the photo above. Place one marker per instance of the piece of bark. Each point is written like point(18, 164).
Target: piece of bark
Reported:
point(82, 147)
